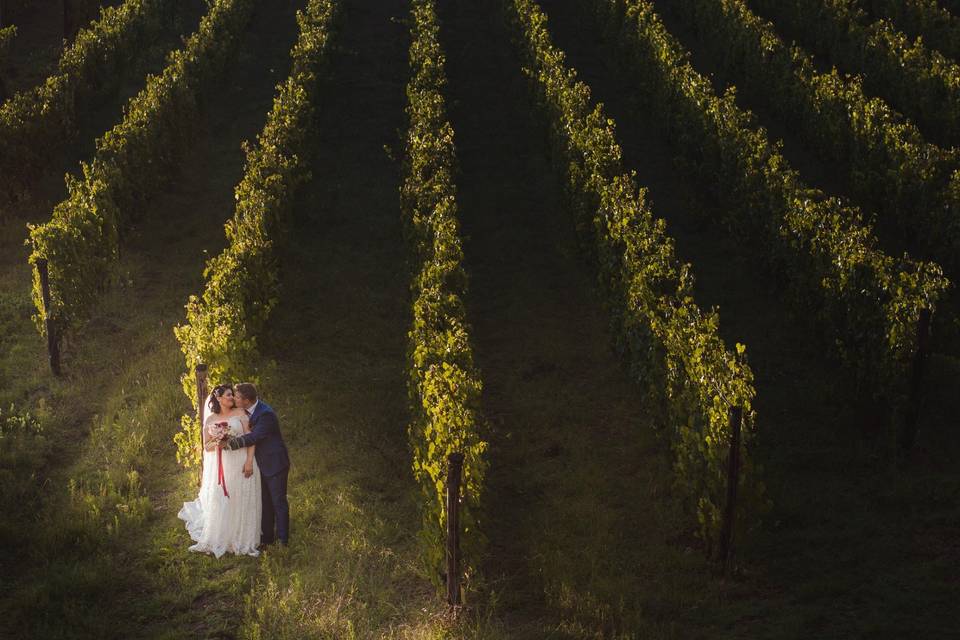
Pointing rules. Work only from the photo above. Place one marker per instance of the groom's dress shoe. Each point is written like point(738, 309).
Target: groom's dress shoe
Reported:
point(264, 545)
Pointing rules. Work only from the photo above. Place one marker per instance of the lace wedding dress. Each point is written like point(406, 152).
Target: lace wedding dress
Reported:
point(219, 523)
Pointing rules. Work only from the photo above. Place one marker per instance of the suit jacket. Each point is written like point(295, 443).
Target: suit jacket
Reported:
point(271, 453)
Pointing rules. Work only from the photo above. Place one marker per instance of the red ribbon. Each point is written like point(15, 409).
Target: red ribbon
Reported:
point(220, 479)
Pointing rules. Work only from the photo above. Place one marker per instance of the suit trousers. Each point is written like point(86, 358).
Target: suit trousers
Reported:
point(275, 521)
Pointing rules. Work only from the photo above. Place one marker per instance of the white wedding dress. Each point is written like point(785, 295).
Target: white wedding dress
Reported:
point(218, 523)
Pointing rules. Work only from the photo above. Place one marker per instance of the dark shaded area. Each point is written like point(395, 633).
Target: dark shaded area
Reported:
point(853, 546)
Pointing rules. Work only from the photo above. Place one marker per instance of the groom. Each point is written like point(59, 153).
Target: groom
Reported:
point(272, 458)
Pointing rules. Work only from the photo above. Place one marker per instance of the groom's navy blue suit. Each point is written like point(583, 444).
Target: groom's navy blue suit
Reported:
point(274, 463)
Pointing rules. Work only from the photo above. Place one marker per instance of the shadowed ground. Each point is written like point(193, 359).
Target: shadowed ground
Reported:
point(852, 546)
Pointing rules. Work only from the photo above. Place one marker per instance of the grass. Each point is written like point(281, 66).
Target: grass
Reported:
point(586, 538)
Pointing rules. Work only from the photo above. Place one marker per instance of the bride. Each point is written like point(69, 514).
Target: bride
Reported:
point(226, 514)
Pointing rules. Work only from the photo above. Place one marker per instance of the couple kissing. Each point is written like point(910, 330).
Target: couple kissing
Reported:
point(242, 503)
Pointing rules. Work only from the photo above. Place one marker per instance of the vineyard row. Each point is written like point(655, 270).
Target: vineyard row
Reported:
point(915, 185)
point(674, 347)
point(925, 19)
point(444, 384)
point(241, 286)
point(868, 302)
point(923, 84)
point(133, 160)
point(34, 123)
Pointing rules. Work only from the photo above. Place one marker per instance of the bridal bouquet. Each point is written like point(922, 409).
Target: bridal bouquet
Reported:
point(219, 431)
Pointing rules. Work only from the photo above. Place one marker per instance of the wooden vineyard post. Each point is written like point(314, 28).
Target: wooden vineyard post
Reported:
point(912, 415)
point(4, 19)
point(733, 479)
point(69, 11)
point(53, 344)
point(454, 470)
point(75, 14)
point(201, 372)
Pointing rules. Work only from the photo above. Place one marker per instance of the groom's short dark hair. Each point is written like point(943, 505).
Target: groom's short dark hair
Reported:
point(248, 390)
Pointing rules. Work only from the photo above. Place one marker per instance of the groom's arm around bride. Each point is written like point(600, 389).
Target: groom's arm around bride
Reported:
point(264, 432)
point(267, 425)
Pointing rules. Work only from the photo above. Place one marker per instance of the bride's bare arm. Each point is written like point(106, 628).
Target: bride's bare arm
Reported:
point(209, 442)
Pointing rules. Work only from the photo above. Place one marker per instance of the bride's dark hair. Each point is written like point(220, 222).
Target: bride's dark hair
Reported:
point(219, 390)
